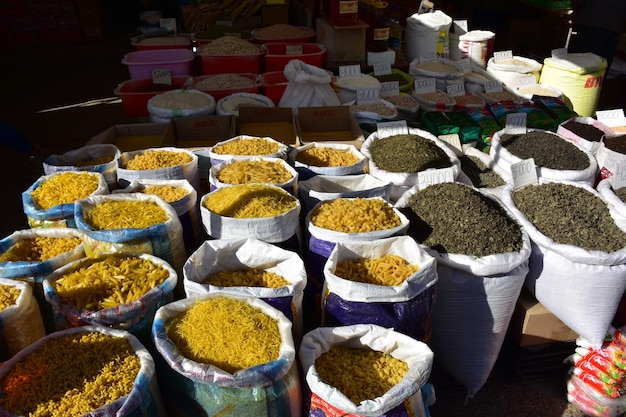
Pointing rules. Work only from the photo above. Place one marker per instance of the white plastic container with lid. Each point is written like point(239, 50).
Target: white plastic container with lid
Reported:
point(477, 45)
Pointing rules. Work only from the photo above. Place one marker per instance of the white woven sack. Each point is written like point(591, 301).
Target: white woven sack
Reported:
point(291, 185)
point(609, 161)
point(606, 190)
point(356, 168)
point(181, 103)
point(584, 143)
point(581, 287)
point(230, 104)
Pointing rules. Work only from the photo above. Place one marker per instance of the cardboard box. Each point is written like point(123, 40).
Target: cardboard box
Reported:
point(345, 44)
point(134, 136)
point(199, 132)
point(333, 124)
point(275, 122)
point(532, 323)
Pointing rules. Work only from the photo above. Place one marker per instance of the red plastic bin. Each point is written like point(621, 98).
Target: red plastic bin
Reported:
point(136, 93)
point(277, 55)
point(274, 84)
point(225, 64)
point(308, 36)
point(219, 93)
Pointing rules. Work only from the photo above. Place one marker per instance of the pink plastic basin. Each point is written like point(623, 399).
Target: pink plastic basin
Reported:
point(142, 63)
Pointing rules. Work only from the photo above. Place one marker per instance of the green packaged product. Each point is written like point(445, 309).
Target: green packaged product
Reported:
point(556, 108)
point(437, 123)
point(486, 121)
point(536, 117)
point(469, 131)
point(502, 109)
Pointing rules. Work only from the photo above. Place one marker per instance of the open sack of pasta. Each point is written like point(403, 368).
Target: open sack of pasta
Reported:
point(227, 355)
point(251, 268)
point(90, 370)
point(389, 282)
point(327, 159)
point(337, 360)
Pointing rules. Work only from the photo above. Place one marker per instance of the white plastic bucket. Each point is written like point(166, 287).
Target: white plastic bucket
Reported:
point(426, 33)
point(477, 45)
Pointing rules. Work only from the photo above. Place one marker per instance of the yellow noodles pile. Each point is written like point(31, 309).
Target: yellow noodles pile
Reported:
point(125, 215)
point(326, 157)
point(244, 172)
point(109, 282)
point(388, 270)
point(360, 374)
point(64, 188)
point(249, 201)
point(8, 295)
point(70, 376)
point(247, 278)
point(227, 333)
point(166, 192)
point(357, 215)
point(39, 249)
point(247, 146)
point(158, 159)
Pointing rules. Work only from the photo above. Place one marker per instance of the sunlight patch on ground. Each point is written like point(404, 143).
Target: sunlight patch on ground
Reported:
point(90, 103)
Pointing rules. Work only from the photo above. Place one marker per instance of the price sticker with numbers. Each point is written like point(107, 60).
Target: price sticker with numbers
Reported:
point(428, 57)
point(526, 81)
point(390, 89)
point(434, 176)
point(349, 71)
point(162, 76)
point(502, 55)
point(382, 68)
point(456, 89)
point(493, 86)
point(425, 85)
point(515, 123)
point(559, 52)
point(393, 128)
point(465, 64)
point(611, 118)
point(524, 173)
point(618, 179)
point(367, 95)
point(293, 50)
point(453, 140)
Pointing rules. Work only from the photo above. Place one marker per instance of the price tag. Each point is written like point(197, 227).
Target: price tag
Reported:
point(393, 128)
point(502, 55)
point(465, 64)
point(611, 118)
point(434, 176)
point(429, 57)
point(456, 89)
point(168, 22)
point(382, 68)
point(524, 173)
point(618, 179)
point(515, 123)
point(453, 140)
point(390, 89)
point(367, 95)
point(349, 71)
point(526, 81)
point(493, 86)
point(162, 76)
point(459, 26)
point(293, 50)
point(559, 52)
point(425, 85)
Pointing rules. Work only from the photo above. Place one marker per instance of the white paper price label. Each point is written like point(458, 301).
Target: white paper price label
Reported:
point(611, 118)
point(429, 57)
point(434, 176)
point(425, 85)
point(349, 71)
point(456, 89)
point(453, 140)
point(465, 64)
point(393, 128)
point(493, 86)
point(293, 50)
point(559, 52)
point(524, 173)
point(502, 55)
point(162, 76)
point(382, 68)
point(367, 95)
point(618, 179)
point(515, 123)
point(526, 81)
point(390, 89)
point(459, 26)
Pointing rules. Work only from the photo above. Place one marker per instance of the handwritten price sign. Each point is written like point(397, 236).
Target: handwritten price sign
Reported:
point(162, 76)
point(524, 173)
point(434, 176)
point(393, 128)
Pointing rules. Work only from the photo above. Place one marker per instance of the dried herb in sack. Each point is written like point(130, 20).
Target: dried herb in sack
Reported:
point(547, 149)
point(408, 153)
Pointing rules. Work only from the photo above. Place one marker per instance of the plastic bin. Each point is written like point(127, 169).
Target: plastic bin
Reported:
point(141, 63)
point(217, 31)
point(219, 93)
point(278, 54)
point(224, 64)
point(274, 84)
point(136, 93)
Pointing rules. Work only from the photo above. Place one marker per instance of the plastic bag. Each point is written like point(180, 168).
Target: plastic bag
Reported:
point(230, 104)
point(308, 86)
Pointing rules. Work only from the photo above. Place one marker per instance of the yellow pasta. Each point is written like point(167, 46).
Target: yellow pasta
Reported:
point(167, 192)
point(227, 333)
point(8, 295)
point(245, 172)
point(124, 215)
point(39, 248)
point(326, 157)
point(71, 375)
point(360, 374)
point(387, 270)
point(157, 159)
point(247, 278)
point(64, 188)
point(247, 146)
point(250, 201)
point(358, 215)
point(109, 282)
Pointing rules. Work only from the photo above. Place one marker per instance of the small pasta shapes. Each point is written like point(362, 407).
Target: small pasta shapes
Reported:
point(323, 156)
point(247, 278)
point(247, 146)
point(157, 159)
point(113, 214)
point(8, 295)
point(357, 215)
point(254, 171)
point(64, 188)
point(39, 248)
point(388, 270)
point(168, 193)
point(250, 201)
